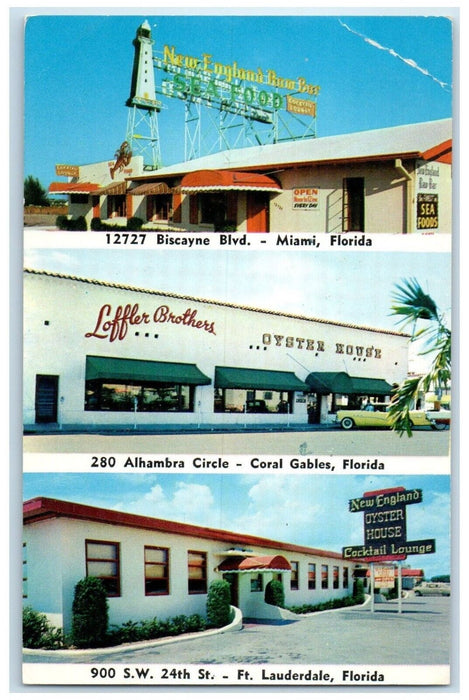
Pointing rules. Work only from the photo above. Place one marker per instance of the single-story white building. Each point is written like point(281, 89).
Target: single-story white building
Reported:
point(104, 354)
point(391, 180)
point(158, 568)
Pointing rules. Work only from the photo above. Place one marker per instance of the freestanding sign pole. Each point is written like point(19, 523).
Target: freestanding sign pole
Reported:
point(399, 585)
point(372, 583)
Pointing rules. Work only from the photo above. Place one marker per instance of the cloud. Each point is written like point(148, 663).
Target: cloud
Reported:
point(187, 502)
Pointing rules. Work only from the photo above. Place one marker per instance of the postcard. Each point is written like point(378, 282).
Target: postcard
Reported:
point(237, 294)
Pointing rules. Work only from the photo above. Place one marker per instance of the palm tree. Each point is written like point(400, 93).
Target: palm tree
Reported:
point(415, 307)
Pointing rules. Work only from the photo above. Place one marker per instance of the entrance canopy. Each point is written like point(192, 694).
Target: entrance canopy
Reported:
point(343, 383)
point(222, 180)
point(264, 379)
point(273, 562)
point(115, 369)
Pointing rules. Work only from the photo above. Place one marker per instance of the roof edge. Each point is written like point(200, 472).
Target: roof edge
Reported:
point(45, 508)
point(200, 300)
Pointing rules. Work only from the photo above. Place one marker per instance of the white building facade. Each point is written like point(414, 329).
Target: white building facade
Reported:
point(158, 568)
point(393, 180)
point(103, 354)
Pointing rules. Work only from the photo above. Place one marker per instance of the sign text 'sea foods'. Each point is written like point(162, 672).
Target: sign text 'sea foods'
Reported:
point(385, 531)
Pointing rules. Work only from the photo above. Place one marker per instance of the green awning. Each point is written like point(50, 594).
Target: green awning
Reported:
point(265, 379)
point(117, 369)
point(371, 387)
point(343, 383)
point(330, 383)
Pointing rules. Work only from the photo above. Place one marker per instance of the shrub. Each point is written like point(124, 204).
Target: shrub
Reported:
point(134, 223)
point(65, 224)
point(79, 224)
point(89, 613)
point(96, 224)
point(62, 222)
point(274, 594)
point(38, 633)
point(219, 604)
point(358, 590)
point(154, 629)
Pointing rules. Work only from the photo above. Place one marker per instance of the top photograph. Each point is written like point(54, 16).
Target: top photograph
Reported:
point(177, 124)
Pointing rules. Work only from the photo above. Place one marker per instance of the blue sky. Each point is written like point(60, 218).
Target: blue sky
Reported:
point(373, 72)
point(302, 509)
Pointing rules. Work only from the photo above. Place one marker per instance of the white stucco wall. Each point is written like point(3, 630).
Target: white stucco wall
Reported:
point(56, 561)
point(59, 313)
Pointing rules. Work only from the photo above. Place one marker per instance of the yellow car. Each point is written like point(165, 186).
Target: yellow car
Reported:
point(377, 416)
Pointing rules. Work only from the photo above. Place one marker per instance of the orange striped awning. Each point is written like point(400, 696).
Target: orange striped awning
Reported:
point(151, 188)
point(216, 180)
point(73, 188)
point(113, 189)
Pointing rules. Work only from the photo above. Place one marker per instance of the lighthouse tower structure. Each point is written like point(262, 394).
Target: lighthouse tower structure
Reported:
point(142, 124)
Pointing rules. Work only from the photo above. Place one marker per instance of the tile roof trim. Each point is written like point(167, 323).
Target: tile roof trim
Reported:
point(200, 300)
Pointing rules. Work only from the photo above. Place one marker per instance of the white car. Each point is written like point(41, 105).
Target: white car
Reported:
point(432, 588)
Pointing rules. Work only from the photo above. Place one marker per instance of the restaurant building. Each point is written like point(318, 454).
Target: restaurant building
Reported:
point(159, 568)
point(106, 354)
point(393, 180)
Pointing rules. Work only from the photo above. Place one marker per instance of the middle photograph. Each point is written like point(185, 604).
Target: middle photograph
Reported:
point(237, 352)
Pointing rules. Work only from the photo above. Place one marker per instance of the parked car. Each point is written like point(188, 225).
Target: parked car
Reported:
point(432, 588)
point(377, 416)
point(256, 406)
point(440, 420)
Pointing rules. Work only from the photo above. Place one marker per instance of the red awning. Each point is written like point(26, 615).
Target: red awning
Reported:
point(216, 180)
point(263, 563)
point(73, 187)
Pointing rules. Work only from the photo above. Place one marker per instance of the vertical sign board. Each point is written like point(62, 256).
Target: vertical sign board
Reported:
point(385, 531)
point(384, 577)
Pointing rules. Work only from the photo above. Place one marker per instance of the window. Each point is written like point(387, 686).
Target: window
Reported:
point(136, 396)
point(252, 401)
point(345, 578)
point(213, 209)
point(116, 205)
point(353, 213)
point(156, 571)
point(311, 576)
point(335, 577)
point(197, 572)
point(79, 199)
point(102, 561)
point(158, 207)
point(324, 576)
point(294, 580)
point(257, 583)
point(25, 571)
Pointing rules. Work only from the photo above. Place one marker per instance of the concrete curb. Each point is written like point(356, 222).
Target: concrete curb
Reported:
point(235, 625)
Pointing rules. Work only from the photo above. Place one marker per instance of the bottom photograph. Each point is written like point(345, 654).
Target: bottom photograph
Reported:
point(236, 579)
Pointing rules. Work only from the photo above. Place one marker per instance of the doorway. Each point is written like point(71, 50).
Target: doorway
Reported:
point(47, 390)
point(234, 589)
point(257, 212)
